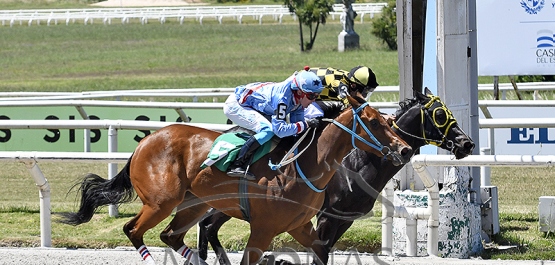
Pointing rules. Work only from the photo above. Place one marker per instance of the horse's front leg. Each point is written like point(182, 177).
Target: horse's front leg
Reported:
point(307, 236)
point(327, 231)
point(259, 240)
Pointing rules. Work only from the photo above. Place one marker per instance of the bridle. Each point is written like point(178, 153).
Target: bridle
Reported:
point(434, 104)
point(356, 119)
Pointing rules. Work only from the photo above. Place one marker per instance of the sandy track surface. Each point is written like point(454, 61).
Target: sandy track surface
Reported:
point(128, 256)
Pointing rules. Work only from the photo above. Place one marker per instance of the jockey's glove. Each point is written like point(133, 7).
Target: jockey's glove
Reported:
point(342, 91)
point(312, 123)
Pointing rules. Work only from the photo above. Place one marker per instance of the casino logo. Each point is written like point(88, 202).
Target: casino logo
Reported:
point(532, 7)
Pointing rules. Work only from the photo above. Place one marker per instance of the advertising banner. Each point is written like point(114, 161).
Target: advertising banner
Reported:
point(516, 37)
point(71, 140)
point(520, 141)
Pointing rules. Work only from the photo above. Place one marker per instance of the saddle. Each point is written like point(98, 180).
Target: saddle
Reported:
point(226, 148)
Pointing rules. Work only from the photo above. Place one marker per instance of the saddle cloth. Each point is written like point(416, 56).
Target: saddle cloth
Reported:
point(226, 148)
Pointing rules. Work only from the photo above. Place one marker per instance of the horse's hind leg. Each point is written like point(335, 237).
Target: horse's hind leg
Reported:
point(209, 228)
point(187, 215)
point(146, 219)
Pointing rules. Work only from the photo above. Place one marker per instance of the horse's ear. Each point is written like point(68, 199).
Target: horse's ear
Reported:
point(353, 101)
point(417, 94)
point(428, 92)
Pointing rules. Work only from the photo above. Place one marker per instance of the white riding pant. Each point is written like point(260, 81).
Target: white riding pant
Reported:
point(248, 118)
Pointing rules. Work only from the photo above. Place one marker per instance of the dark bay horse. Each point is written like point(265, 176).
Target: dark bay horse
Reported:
point(355, 186)
point(165, 172)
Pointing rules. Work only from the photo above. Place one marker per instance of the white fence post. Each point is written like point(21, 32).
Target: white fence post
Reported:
point(44, 195)
point(485, 171)
point(112, 167)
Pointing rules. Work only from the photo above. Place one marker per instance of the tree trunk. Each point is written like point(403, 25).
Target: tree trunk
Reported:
point(301, 33)
point(313, 37)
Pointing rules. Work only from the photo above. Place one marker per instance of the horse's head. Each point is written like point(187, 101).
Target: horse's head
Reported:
point(438, 126)
point(371, 133)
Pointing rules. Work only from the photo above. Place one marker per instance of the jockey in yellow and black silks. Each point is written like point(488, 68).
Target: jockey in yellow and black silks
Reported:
point(337, 83)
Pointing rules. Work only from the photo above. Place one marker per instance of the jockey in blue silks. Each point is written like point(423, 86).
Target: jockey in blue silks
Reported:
point(251, 104)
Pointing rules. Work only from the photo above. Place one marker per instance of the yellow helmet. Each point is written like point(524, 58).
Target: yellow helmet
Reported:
point(364, 78)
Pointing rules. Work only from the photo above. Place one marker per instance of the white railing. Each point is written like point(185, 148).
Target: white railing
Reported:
point(489, 122)
point(419, 162)
point(216, 93)
point(80, 104)
point(163, 14)
point(431, 213)
point(112, 157)
point(362, 10)
point(30, 160)
point(143, 14)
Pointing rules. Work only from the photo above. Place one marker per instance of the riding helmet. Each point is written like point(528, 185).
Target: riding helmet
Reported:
point(363, 76)
point(307, 82)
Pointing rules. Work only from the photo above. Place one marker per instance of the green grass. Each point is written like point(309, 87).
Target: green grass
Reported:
point(134, 56)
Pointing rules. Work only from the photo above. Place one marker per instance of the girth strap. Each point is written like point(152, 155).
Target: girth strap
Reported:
point(244, 199)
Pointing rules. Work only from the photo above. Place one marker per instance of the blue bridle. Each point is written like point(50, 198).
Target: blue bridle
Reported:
point(356, 118)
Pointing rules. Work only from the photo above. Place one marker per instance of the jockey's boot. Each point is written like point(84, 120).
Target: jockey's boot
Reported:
point(238, 168)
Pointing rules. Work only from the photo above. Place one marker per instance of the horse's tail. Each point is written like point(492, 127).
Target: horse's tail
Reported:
point(97, 191)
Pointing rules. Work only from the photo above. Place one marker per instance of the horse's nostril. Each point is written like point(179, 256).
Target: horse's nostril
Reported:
point(405, 151)
point(468, 145)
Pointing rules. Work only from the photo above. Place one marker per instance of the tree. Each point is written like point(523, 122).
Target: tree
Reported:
point(310, 13)
point(385, 26)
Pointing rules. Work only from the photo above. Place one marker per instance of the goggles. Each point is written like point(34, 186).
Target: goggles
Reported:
point(367, 90)
point(311, 96)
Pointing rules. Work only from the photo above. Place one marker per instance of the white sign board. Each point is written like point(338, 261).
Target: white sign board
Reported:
point(515, 37)
point(521, 141)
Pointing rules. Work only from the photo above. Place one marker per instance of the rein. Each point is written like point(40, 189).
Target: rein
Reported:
point(376, 145)
point(284, 161)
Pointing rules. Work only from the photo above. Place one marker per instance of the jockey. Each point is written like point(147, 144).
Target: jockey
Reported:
point(338, 83)
point(249, 106)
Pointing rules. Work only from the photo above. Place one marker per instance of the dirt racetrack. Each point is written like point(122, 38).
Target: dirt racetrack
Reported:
point(128, 256)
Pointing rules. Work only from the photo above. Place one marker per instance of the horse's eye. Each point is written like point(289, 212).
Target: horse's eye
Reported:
point(374, 123)
point(440, 117)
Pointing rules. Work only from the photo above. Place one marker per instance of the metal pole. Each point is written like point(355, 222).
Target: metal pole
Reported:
point(112, 167)
point(86, 132)
point(485, 172)
point(474, 112)
point(44, 195)
point(388, 210)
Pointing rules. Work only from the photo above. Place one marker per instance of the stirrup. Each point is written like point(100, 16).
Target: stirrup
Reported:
point(241, 173)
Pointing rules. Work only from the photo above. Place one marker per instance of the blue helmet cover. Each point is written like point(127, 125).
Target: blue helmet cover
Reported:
point(308, 82)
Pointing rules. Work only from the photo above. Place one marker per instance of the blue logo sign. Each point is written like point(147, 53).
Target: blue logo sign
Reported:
point(532, 7)
point(529, 136)
point(545, 39)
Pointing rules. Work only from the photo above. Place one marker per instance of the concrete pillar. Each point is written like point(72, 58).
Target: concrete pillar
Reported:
point(410, 38)
point(457, 71)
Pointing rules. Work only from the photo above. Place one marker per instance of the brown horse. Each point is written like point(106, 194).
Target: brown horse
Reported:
point(165, 172)
point(354, 188)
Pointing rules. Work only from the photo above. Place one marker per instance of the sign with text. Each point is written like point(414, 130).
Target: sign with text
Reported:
point(71, 140)
point(521, 141)
point(515, 37)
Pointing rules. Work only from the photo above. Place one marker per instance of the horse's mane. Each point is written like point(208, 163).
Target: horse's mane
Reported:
point(405, 106)
point(331, 109)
